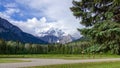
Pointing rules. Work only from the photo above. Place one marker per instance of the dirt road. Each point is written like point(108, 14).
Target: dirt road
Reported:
point(41, 62)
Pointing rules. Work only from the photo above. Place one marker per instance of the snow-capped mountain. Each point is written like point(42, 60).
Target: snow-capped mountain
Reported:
point(52, 35)
point(52, 31)
point(55, 35)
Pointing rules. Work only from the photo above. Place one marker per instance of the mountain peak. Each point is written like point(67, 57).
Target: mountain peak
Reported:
point(55, 35)
point(11, 32)
point(52, 31)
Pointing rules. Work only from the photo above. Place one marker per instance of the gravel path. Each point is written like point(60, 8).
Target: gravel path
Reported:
point(41, 62)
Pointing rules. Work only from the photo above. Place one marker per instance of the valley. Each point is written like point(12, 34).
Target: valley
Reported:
point(59, 34)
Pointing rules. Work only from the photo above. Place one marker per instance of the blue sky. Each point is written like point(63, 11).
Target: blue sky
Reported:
point(35, 16)
point(18, 11)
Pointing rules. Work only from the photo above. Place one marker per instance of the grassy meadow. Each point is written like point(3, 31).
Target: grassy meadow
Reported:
point(61, 56)
point(8, 60)
point(84, 65)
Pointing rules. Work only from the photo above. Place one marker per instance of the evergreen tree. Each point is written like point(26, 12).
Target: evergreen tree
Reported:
point(95, 11)
point(104, 18)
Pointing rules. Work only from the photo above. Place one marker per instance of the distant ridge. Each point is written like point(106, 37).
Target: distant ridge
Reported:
point(10, 32)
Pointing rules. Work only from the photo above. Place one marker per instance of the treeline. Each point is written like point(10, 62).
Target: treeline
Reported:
point(78, 47)
point(11, 47)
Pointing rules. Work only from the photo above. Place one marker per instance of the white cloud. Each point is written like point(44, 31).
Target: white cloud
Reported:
point(3, 15)
point(11, 8)
point(35, 26)
point(11, 11)
point(10, 5)
point(56, 10)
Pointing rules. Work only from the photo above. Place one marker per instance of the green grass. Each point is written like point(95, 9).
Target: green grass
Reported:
point(84, 65)
point(60, 56)
point(8, 60)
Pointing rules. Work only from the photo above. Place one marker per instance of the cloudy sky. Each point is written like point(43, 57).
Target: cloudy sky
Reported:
point(35, 16)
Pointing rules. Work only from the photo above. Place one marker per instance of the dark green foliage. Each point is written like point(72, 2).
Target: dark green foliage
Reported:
point(106, 34)
point(104, 18)
point(94, 11)
point(10, 47)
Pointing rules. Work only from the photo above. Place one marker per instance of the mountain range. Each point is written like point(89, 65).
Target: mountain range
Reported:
point(9, 31)
point(55, 35)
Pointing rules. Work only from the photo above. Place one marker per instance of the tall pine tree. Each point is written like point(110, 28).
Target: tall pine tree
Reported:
point(104, 18)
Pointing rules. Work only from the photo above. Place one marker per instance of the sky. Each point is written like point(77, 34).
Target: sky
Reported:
point(35, 16)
